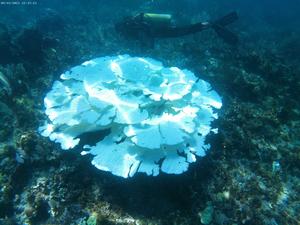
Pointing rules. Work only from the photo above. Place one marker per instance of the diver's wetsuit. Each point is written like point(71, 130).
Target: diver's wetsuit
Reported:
point(137, 28)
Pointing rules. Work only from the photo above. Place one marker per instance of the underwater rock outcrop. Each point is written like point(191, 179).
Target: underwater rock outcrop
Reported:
point(157, 117)
point(7, 49)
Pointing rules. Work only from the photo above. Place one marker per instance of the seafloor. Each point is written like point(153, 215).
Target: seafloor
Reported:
point(250, 176)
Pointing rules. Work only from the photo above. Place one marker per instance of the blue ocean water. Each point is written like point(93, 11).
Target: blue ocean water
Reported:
point(235, 164)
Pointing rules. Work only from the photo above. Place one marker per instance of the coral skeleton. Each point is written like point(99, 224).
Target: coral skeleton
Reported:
point(4, 84)
point(157, 117)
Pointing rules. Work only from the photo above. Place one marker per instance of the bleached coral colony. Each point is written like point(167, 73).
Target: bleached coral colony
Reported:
point(157, 117)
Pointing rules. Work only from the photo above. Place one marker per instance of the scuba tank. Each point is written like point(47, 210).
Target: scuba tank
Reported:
point(157, 20)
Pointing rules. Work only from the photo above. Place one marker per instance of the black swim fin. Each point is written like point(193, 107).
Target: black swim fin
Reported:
point(228, 19)
point(219, 27)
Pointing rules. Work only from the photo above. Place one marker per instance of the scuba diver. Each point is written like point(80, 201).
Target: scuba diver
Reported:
point(148, 26)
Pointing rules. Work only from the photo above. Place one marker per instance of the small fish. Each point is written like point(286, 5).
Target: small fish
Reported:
point(19, 158)
point(4, 83)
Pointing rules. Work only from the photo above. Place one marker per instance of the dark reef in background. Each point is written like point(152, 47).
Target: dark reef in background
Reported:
point(7, 49)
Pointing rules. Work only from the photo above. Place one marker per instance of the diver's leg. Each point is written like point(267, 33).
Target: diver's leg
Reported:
point(169, 32)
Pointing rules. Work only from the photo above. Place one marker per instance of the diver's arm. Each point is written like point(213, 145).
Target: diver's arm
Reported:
point(168, 32)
